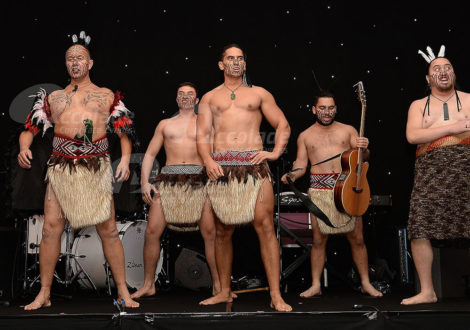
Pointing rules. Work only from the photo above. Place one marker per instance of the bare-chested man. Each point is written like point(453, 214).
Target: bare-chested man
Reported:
point(180, 197)
point(241, 190)
point(440, 202)
point(79, 171)
point(319, 142)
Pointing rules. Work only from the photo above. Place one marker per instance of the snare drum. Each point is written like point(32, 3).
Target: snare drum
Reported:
point(88, 252)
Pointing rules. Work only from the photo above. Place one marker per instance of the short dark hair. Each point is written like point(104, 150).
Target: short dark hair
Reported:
point(187, 83)
point(323, 93)
point(232, 45)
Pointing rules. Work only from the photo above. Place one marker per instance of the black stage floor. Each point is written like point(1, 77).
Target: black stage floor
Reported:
point(179, 309)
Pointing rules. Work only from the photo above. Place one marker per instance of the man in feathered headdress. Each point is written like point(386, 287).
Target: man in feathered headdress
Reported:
point(79, 171)
point(439, 209)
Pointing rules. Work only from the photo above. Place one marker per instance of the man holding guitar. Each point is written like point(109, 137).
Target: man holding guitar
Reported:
point(316, 144)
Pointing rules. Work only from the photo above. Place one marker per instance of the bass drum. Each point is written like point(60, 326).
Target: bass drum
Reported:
point(88, 251)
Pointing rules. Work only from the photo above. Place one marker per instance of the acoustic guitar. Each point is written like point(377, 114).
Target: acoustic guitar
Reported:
point(352, 192)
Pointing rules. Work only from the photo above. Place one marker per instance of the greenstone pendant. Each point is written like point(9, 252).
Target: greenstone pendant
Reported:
point(446, 111)
point(232, 96)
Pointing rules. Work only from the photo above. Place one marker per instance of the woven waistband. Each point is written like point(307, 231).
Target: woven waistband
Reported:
point(445, 141)
point(234, 158)
point(71, 148)
point(323, 180)
point(182, 169)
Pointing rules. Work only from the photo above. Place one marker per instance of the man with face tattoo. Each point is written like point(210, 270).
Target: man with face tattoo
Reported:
point(240, 190)
point(440, 202)
point(79, 171)
point(317, 143)
point(180, 198)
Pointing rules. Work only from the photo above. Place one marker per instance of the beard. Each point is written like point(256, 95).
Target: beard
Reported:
point(323, 123)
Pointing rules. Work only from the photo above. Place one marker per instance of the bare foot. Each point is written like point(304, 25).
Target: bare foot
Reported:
point(216, 289)
point(280, 305)
point(129, 302)
point(314, 290)
point(41, 300)
point(421, 298)
point(370, 290)
point(144, 291)
point(220, 297)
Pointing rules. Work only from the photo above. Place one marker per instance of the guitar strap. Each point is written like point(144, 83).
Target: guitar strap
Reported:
point(327, 160)
point(309, 204)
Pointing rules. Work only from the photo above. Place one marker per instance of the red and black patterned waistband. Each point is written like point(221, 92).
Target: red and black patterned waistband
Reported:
point(323, 180)
point(71, 148)
point(234, 158)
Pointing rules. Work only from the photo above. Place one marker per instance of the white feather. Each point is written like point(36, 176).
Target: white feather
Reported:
point(426, 58)
point(74, 38)
point(442, 51)
point(39, 112)
point(87, 40)
point(119, 110)
point(431, 53)
point(82, 35)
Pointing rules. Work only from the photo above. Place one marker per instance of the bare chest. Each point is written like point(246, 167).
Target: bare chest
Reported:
point(320, 145)
point(439, 113)
point(180, 131)
point(244, 100)
point(69, 107)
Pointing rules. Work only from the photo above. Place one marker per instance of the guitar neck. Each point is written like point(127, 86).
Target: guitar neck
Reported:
point(361, 130)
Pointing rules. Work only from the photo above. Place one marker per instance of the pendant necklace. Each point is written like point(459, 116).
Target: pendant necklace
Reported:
point(444, 106)
point(232, 96)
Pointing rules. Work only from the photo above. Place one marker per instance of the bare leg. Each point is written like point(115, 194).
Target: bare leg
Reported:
point(317, 260)
point(208, 232)
point(155, 227)
point(359, 255)
point(422, 256)
point(49, 250)
point(264, 226)
point(114, 253)
point(224, 258)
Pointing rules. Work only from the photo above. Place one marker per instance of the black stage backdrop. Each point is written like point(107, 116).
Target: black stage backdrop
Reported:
point(146, 48)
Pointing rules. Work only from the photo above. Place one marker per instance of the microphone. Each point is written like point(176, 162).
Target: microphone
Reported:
point(75, 88)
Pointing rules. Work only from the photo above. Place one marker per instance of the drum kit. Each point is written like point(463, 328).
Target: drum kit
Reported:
point(82, 256)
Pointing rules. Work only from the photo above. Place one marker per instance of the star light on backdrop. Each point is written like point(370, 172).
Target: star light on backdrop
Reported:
point(146, 50)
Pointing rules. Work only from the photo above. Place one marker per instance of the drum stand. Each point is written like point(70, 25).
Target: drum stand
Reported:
point(69, 258)
point(28, 281)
